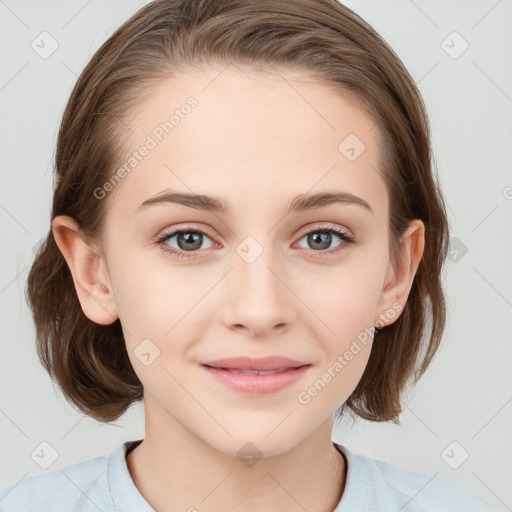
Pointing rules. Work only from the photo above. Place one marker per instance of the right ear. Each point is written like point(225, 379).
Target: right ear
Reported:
point(89, 271)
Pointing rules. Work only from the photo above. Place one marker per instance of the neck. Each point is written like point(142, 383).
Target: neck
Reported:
point(175, 470)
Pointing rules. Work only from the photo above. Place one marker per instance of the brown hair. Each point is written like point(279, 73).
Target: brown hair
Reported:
point(322, 38)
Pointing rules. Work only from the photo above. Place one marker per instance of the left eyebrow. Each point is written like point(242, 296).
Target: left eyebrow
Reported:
point(306, 202)
point(300, 203)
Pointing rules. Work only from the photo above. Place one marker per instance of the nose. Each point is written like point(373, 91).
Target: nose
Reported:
point(258, 298)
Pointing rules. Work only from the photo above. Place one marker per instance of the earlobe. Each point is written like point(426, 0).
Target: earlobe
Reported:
point(399, 277)
point(88, 269)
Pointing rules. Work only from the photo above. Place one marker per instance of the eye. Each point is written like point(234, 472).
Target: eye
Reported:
point(190, 240)
point(321, 238)
point(187, 240)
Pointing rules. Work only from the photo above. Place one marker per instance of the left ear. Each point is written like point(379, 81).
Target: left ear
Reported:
point(400, 276)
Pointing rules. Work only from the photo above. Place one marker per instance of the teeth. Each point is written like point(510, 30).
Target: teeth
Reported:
point(256, 372)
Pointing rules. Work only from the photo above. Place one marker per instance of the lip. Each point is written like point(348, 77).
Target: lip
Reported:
point(257, 384)
point(251, 363)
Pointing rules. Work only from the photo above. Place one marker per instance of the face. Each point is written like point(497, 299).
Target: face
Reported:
point(258, 278)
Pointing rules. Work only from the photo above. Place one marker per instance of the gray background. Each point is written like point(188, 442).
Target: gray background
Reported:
point(463, 405)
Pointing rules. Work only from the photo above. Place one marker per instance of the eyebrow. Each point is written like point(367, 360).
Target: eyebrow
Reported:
point(301, 203)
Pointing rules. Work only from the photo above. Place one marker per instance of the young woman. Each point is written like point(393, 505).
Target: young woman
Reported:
point(248, 235)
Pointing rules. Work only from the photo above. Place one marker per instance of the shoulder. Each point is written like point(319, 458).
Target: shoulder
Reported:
point(425, 492)
point(405, 490)
point(80, 487)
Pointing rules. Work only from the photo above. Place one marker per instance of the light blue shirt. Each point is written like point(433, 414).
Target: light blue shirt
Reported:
point(104, 484)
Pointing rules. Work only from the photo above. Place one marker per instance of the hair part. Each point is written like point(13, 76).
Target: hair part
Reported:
point(322, 39)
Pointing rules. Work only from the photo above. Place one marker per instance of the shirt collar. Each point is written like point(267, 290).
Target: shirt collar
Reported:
point(359, 492)
point(125, 493)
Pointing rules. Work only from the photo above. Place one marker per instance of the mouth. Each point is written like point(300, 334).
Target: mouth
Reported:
point(255, 381)
point(262, 365)
point(255, 372)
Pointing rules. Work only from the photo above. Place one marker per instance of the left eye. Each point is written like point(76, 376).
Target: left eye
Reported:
point(321, 238)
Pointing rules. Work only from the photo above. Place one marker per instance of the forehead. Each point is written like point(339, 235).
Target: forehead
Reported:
point(250, 136)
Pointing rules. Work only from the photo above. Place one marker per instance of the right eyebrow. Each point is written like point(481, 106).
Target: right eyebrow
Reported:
point(196, 201)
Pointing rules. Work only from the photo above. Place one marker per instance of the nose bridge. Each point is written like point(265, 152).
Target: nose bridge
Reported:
point(258, 297)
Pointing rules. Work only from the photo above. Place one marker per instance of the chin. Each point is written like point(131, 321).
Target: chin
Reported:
point(248, 447)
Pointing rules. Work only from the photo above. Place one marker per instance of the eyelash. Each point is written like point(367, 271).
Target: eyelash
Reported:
point(161, 239)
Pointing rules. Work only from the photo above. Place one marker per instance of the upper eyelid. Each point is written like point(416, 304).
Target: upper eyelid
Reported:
point(323, 226)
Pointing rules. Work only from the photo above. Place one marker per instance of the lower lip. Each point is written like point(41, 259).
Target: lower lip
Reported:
point(257, 384)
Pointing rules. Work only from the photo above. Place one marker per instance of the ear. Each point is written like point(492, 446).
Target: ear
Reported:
point(89, 271)
point(399, 277)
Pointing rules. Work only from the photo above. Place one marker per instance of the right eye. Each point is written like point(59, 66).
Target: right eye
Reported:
point(188, 240)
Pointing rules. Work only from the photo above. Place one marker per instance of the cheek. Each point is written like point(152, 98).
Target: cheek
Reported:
point(347, 298)
point(346, 303)
point(159, 303)
point(344, 334)
point(153, 314)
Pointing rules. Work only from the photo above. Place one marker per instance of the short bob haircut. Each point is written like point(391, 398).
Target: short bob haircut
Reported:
point(321, 38)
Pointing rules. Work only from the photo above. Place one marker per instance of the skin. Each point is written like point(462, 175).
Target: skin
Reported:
point(257, 140)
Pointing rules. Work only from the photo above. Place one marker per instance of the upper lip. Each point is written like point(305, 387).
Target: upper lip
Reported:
point(250, 363)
